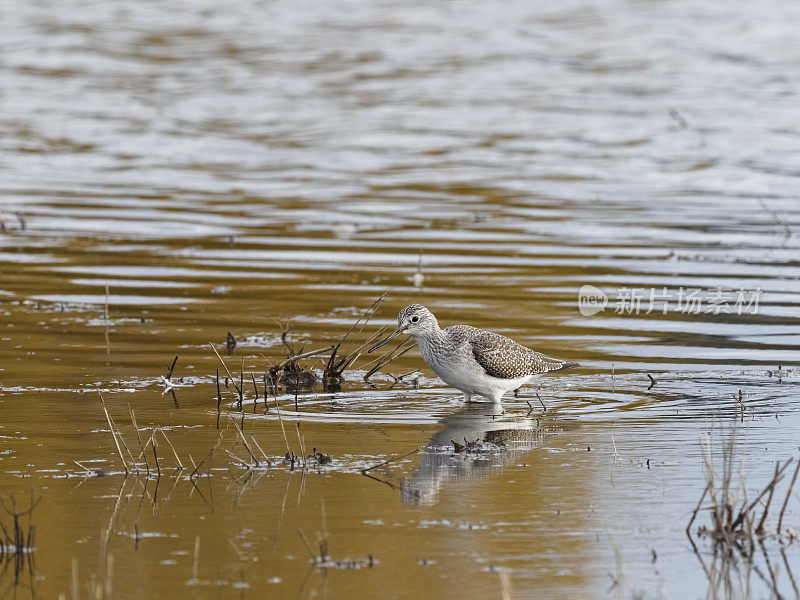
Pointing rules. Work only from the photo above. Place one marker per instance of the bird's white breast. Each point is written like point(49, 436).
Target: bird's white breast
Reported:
point(457, 367)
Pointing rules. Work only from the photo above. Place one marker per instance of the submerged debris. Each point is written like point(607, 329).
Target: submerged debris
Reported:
point(322, 558)
point(779, 373)
point(319, 457)
point(494, 441)
point(230, 344)
point(294, 377)
point(169, 385)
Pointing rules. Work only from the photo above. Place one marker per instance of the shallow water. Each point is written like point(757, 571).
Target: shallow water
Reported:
point(229, 168)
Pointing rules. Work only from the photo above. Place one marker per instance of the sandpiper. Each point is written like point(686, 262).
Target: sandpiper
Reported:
point(476, 361)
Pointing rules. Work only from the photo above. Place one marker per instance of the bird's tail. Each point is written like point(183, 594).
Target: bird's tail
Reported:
point(566, 365)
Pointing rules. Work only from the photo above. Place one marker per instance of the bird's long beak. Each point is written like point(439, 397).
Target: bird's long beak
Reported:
point(386, 340)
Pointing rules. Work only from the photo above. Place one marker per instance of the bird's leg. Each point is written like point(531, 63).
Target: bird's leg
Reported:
point(467, 398)
point(539, 398)
point(497, 405)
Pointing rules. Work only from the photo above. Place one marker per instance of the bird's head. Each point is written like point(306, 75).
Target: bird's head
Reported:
point(414, 320)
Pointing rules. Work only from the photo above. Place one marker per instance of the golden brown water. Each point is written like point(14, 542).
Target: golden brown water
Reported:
point(228, 168)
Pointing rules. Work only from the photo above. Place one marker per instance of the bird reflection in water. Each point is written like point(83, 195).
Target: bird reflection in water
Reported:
point(475, 443)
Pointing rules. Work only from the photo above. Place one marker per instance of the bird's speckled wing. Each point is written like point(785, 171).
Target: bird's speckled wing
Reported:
point(504, 358)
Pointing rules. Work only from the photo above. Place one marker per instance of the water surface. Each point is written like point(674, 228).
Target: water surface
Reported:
point(200, 169)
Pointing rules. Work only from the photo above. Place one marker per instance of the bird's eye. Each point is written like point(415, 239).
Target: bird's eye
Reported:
point(415, 319)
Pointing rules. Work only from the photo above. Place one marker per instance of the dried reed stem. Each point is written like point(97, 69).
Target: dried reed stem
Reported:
point(788, 494)
point(233, 381)
point(392, 459)
point(178, 460)
point(244, 441)
point(113, 432)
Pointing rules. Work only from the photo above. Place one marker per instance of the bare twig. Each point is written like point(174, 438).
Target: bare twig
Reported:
point(198, 465)
point(88, 471)
point(178, 460)
point(392, 459)
point(113, 432)
point(745, 511)
point(308, 354)
point(255, 389)
point(244, 441)
point(652, 381)
point(334, 367)
point(196, 558)
point(788, 494)
point(283, 430)
point(171, 368)
point(260, 449)
point(240, 389)
point(760, 528)
point(696, 509)
point(777, 218)
point(136, 431)
point(306, 544)
point(233, 380)
point(395, 353)
point(673, 112)
point(505, 584)
point(300, 441)
point(154, 445)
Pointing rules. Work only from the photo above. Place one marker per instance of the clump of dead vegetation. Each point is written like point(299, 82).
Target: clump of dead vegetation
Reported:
point(293, 373)
point(745, 541)
point(151, 460)
point(737, 521)
point(133, 463)
point(149, 451)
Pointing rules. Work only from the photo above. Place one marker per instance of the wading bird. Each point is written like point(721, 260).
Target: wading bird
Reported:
point(476, 361)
